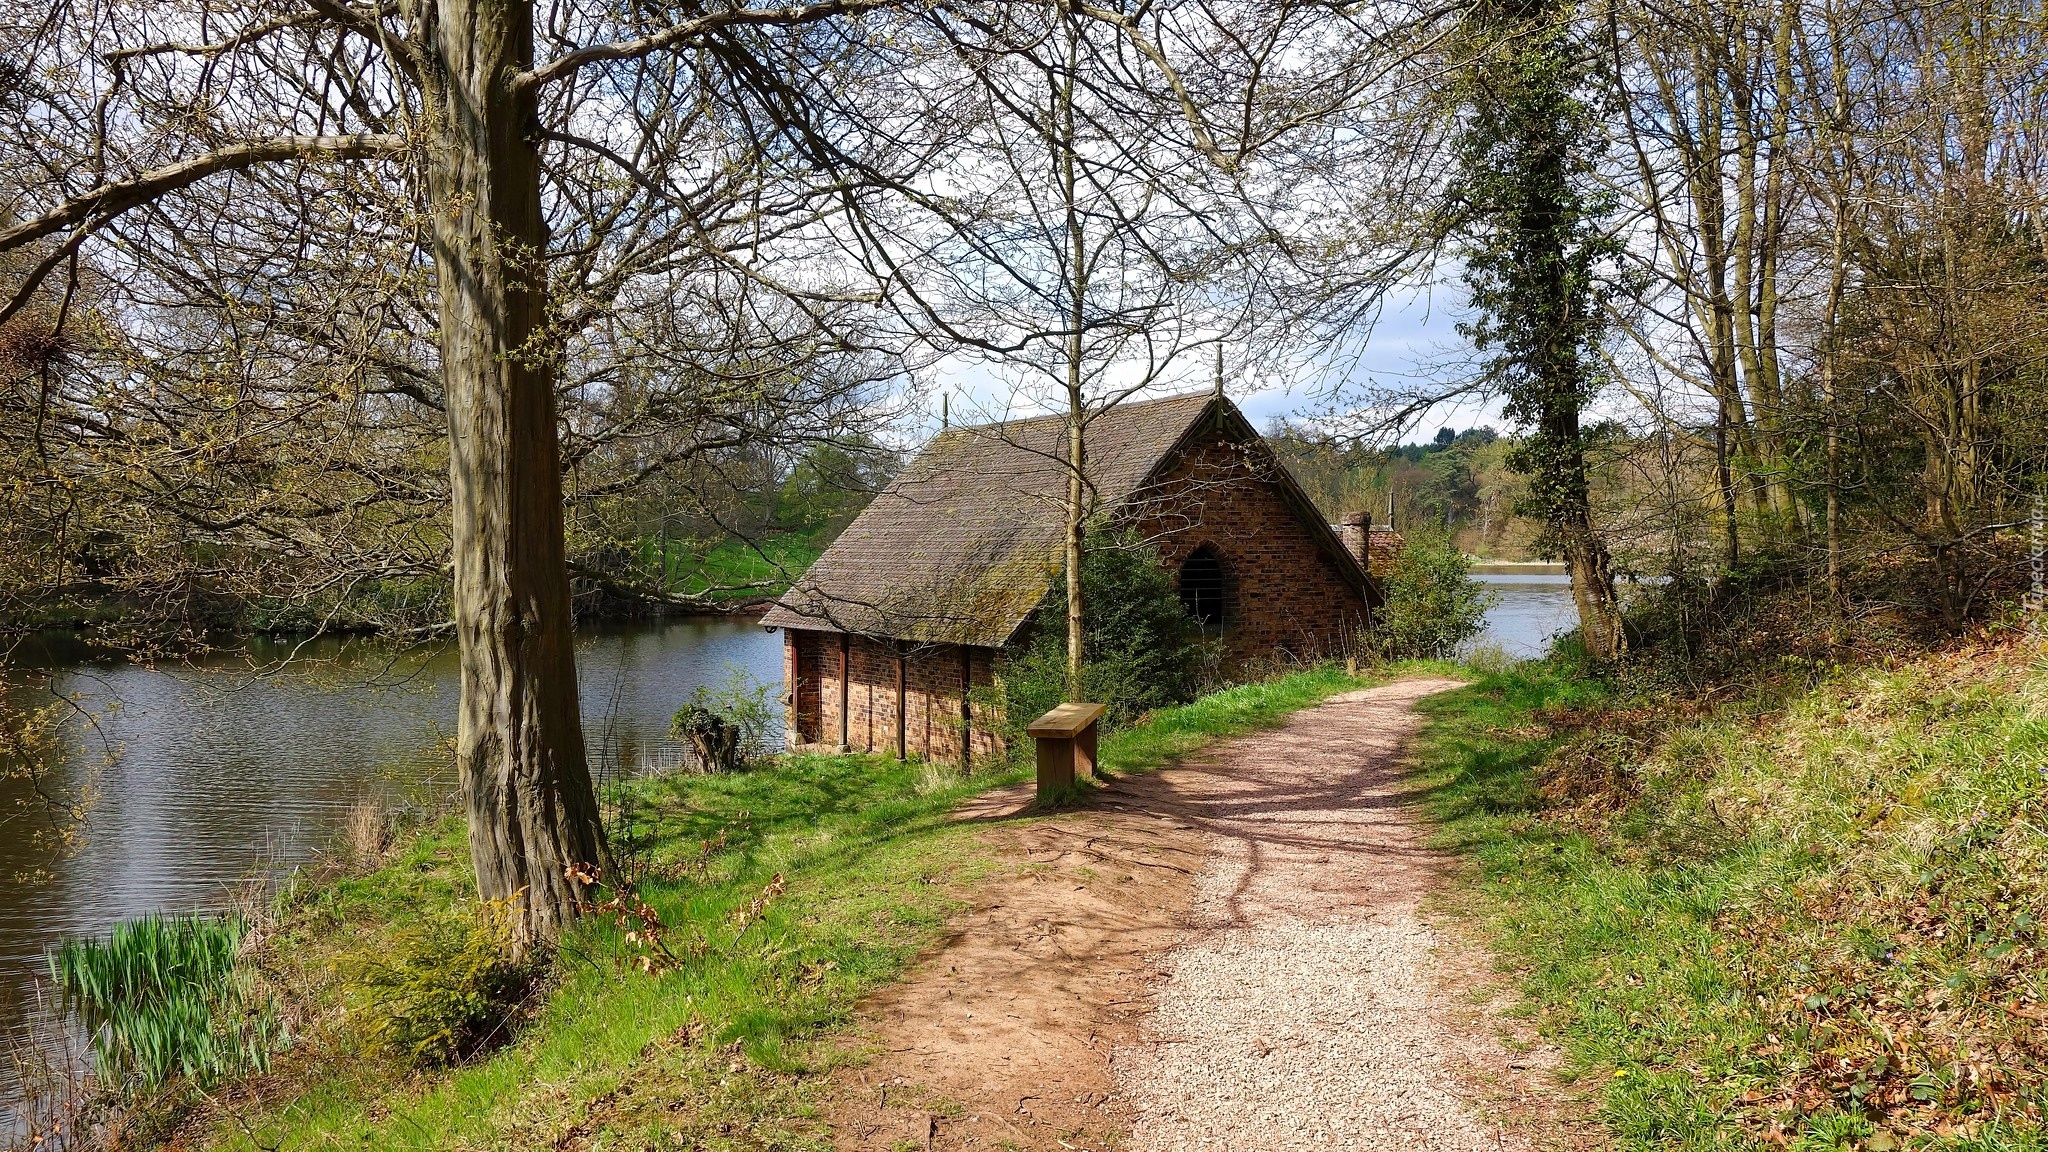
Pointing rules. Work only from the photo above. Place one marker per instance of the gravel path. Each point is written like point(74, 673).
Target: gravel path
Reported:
point(1302, 1010)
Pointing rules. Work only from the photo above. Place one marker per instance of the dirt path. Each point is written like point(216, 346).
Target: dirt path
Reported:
point(1228, 954)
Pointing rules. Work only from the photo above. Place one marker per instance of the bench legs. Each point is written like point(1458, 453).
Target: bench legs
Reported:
point(1062, 760)
point(1055, 766)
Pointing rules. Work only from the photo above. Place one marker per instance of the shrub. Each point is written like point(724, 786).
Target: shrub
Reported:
point(164, 997)
point(442, 990)
point(1135, 642)
point(1433, 604)
point(714, 743)
point(727, 726)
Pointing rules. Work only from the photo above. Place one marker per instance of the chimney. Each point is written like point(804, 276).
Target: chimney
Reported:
point(1356, 532)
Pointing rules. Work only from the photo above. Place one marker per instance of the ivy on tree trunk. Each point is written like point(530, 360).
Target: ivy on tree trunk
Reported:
point(1530, 215)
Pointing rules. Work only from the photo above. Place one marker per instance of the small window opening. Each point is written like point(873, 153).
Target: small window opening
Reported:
point(1201, 587)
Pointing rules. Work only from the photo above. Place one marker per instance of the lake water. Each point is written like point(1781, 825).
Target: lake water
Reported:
point(224, 769)
point(1531, 612)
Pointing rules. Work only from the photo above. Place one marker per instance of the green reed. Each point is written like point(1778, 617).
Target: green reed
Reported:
point(165, 997)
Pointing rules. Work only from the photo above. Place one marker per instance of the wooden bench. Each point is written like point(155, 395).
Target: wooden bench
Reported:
point(1066, 746)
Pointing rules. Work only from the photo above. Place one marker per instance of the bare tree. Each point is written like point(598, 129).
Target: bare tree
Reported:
point(1831, 190)
point(1072, 272)
point(1705, 97)
point(1130, 195)
point(252, 114)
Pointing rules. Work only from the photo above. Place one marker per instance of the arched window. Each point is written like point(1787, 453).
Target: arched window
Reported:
point(1201, 587)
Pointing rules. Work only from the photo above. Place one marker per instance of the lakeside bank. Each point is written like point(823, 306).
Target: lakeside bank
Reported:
point(217, 769)
point(783, 895)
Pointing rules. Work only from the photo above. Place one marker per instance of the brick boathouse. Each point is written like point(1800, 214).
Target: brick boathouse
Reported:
point(887, 635)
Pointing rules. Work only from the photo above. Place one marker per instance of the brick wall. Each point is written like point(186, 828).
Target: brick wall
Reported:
point(1283, 594)
point(1376, 549)
point(932, 689)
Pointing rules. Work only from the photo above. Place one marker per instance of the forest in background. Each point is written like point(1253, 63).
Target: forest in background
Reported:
point(1458, 483)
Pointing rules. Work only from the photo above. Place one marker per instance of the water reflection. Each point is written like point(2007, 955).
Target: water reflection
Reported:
point(229, 768)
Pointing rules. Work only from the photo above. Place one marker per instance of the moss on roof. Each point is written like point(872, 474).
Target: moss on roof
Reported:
point(964, 545)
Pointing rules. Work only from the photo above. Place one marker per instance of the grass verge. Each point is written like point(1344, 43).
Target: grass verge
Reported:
point(1170, 734)
point(786, 893)
point(1811, 921)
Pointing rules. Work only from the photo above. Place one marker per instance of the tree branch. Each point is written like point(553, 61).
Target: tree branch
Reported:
point(110, 200)
point(791, 16)
point(40, 272)
point(370, 26)
point(247, 35)
point(1146, 48)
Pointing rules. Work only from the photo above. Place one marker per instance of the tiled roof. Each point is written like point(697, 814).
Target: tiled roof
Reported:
point(963, 546)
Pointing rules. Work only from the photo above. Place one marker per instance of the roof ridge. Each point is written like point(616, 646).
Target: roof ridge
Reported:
point(1119, 407)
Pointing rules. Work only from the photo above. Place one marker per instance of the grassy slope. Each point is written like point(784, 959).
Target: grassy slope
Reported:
point(742, 570)
point(724, 1049)
point(1812, 921)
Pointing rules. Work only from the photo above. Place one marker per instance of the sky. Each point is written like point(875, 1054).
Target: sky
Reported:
point(1415, 333)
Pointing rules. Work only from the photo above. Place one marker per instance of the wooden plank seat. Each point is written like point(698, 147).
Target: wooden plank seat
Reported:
point(1066, 746)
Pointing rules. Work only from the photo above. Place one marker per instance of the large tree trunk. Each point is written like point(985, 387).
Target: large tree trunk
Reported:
point(1592, 575)
point(1558, 450)
point(533, 817)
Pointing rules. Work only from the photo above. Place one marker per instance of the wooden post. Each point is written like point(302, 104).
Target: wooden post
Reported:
point(902, 713)
point(793, 732)
point(845, 693)
point(966, 708)
point(1066, 739)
